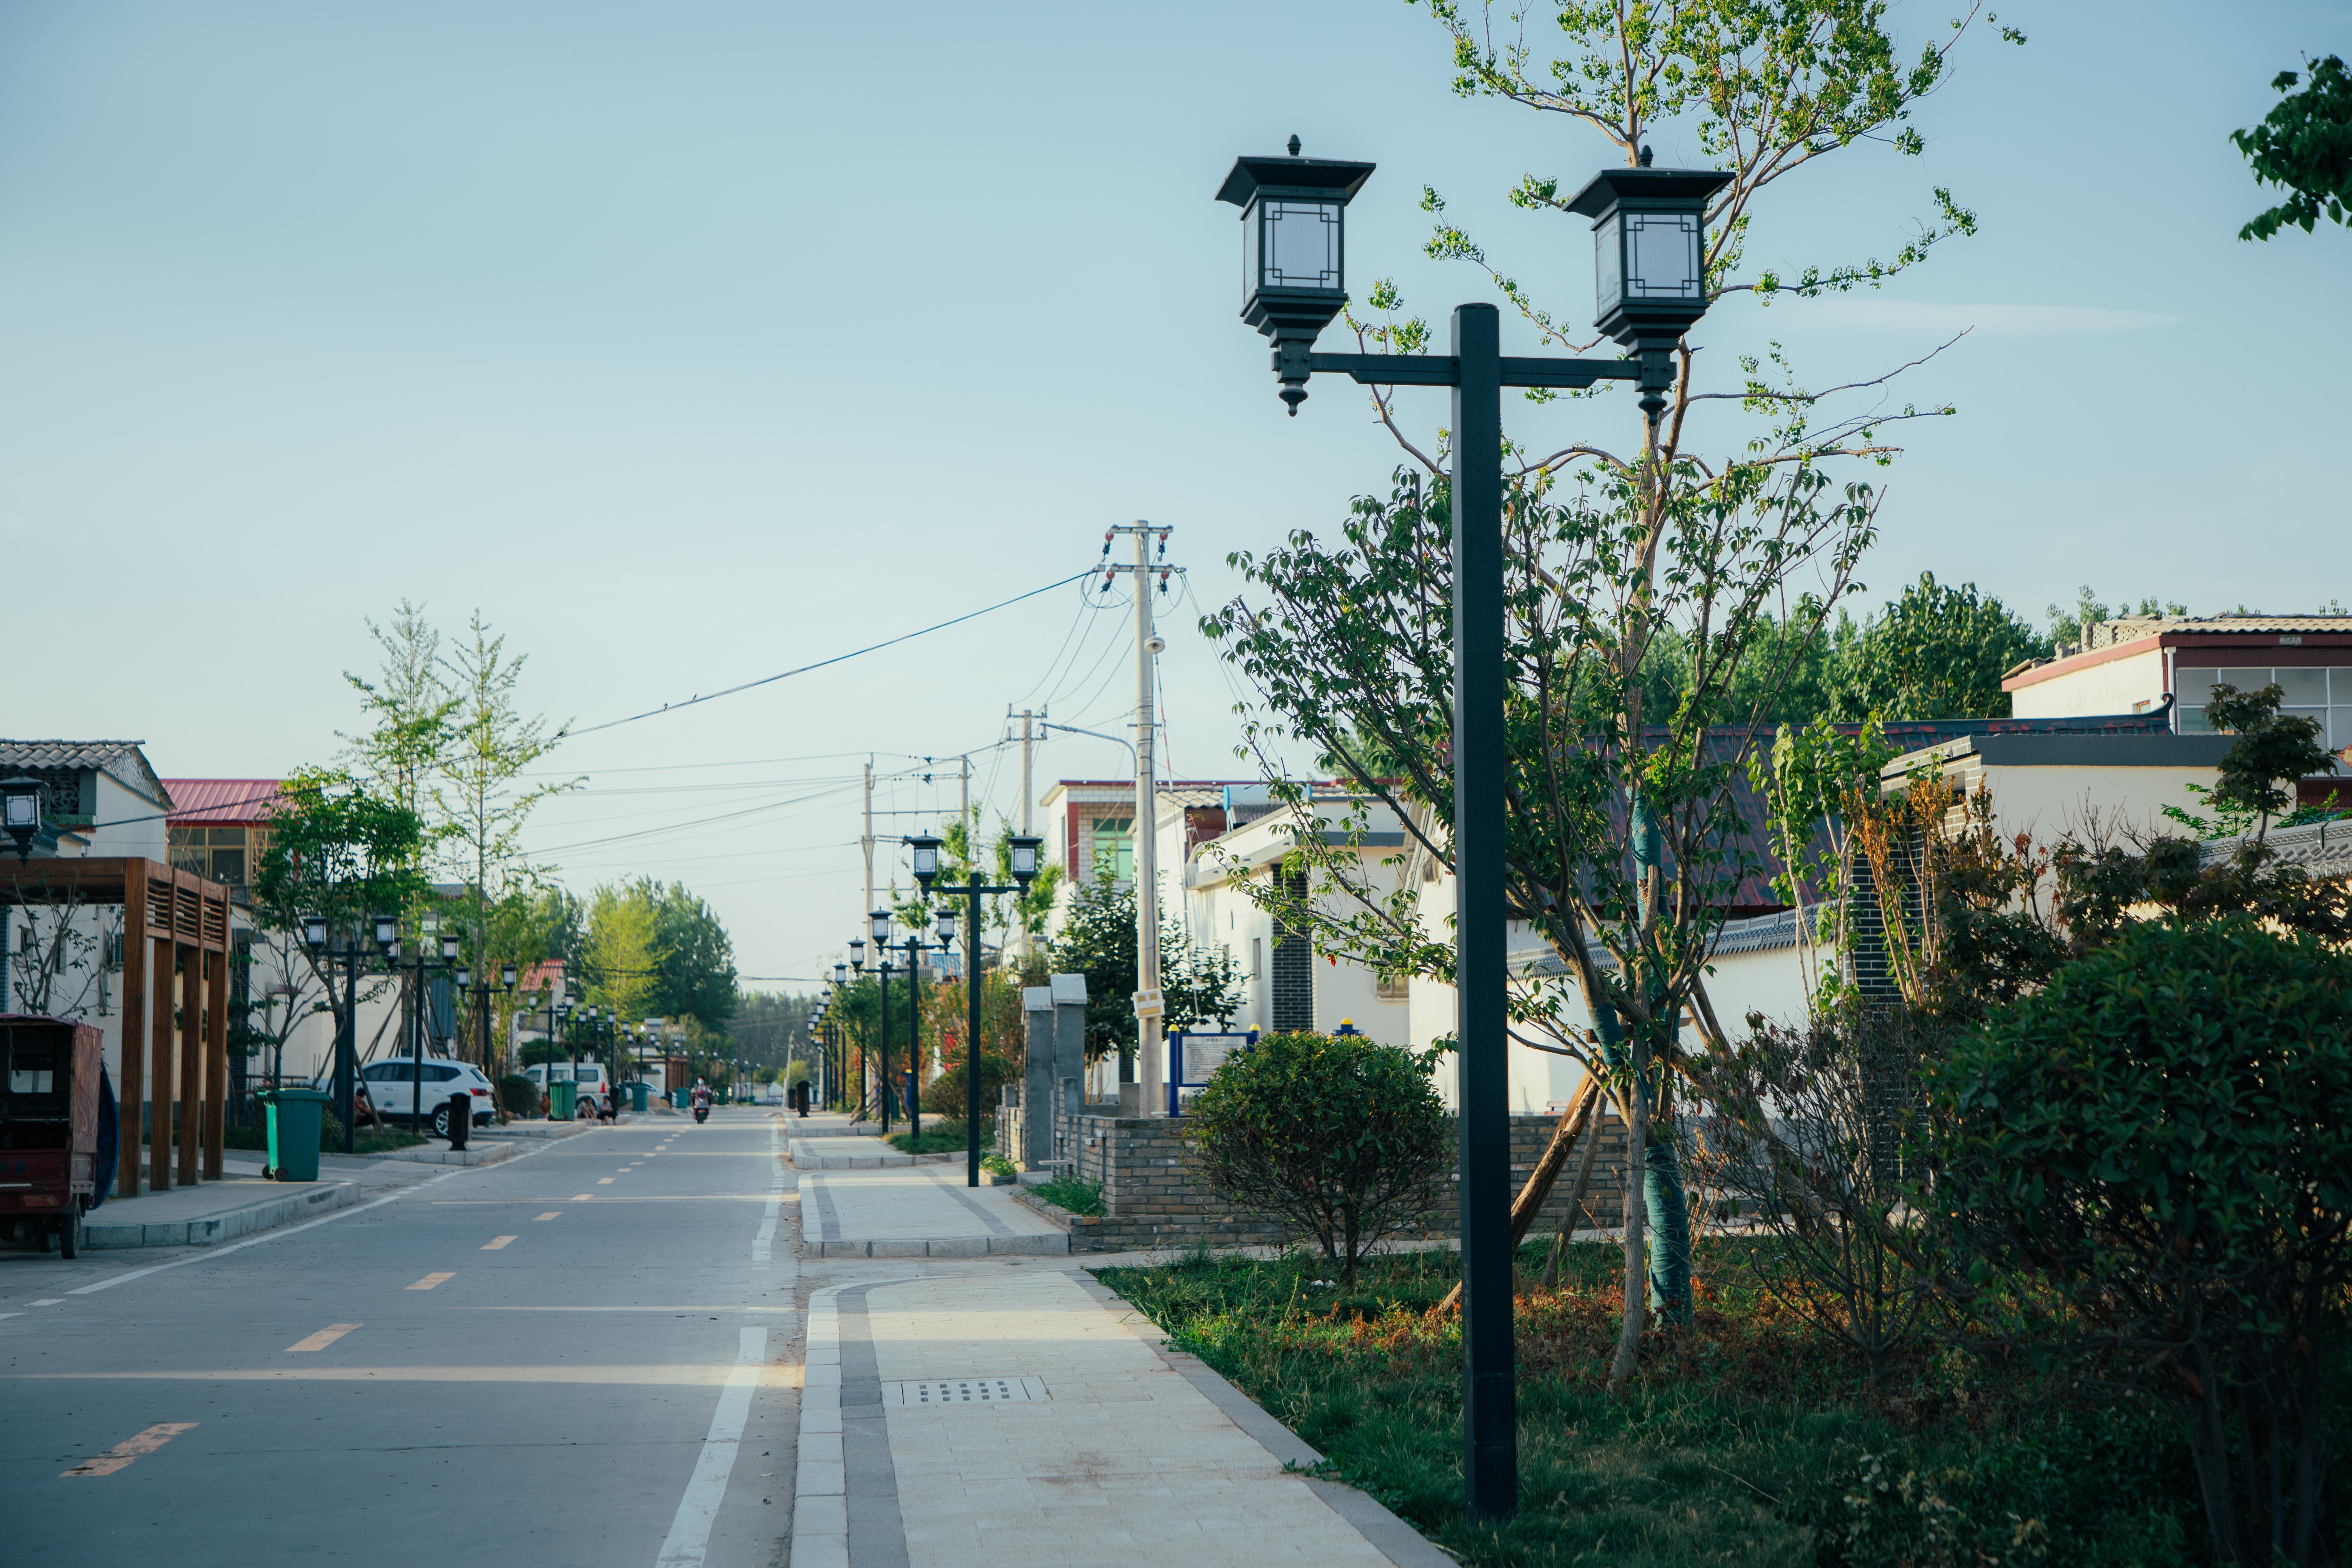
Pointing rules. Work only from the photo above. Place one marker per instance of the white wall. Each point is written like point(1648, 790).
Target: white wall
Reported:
point(2130, 684)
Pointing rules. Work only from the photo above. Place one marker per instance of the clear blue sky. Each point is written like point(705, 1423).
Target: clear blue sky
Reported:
point(690, 344)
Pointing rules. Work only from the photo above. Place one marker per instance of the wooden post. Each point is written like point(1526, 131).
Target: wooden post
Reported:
point(160, 1076)
point(191, 1059)
point(134, 1061)
point(216, 984)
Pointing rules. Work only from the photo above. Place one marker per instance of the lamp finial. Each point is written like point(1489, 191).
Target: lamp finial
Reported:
point(1644, 157)
point(1294, 146)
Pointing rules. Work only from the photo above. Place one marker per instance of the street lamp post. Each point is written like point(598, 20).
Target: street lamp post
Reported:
point(316, 936)
point(387, 936)
point(914, 945)
point(1024, 849)
point(880, 920)
point(1649, 243)
point(481, 994)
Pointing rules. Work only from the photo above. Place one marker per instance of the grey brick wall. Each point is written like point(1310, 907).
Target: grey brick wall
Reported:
point(1153, 1199)
point(1292, 976)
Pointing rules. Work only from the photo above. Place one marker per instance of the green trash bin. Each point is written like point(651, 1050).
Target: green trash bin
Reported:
point(640, 1096)
point(294, 1117)
point(677, 1099)
point(563, 1097)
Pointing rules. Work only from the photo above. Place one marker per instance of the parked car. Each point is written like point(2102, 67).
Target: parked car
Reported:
point(386, 1085)
point(590, 1075)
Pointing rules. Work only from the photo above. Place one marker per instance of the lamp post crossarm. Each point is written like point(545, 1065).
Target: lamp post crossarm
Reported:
point(1444, 370)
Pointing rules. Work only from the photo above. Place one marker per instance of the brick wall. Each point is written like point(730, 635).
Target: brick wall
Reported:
point(1153, 1200)
point(1292, 982)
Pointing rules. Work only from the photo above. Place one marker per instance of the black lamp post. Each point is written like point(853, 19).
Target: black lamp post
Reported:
point(880, 921)
point(387, 936)
point(481, 994)
point(316, 937)
point(1023, 847)
point(1649, 235)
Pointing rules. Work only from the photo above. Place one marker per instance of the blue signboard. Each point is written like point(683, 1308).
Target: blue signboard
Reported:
point(1193, 1058)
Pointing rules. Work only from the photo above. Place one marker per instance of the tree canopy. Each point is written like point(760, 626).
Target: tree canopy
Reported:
point(2305, 146)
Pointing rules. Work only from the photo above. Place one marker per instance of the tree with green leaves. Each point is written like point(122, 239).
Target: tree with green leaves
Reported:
point(698, 959)
point(1097, 940)
point(1624, 839)
point(2304, 145)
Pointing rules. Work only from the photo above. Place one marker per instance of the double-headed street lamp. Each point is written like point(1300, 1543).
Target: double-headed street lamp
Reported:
point(481, 994)
point(1023, 847)
point(882, 969)
point(1649, 239)
point(387, 937)
point(316, 936)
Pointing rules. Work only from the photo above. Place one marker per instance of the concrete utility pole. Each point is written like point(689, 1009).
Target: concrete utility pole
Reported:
point(865, 842)
point(1027, 790)
point(1149, 1006)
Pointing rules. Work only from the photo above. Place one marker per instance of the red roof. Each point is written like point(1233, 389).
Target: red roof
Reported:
point(220, 803)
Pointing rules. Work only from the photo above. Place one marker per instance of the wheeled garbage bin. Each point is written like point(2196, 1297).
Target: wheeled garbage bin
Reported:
point(640, 1096)
point(294, 1118)
point(562, 1095)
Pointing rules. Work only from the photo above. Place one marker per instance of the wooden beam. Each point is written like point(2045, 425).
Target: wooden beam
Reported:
point(160, 1076)
point(216, 982)
point(133, 1058)
point(190, 1133)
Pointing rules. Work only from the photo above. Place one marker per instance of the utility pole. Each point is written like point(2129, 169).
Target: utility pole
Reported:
point(865, 842)
point(1027, 792)
point(1149, 1007)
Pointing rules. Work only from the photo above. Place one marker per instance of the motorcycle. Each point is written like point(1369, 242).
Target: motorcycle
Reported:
point(701, 1114)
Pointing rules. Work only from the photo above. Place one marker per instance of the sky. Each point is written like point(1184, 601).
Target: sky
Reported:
point(691, 344)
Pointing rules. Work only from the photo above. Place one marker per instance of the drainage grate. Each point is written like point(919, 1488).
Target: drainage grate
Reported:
point(942, 1391)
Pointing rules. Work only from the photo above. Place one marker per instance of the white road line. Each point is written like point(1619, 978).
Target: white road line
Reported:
point(207, 1256)
point(689, 1531)
point(763, 1245)
point(323, 1338)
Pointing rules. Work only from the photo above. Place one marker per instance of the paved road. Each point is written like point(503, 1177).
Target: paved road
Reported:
point(546, 1358)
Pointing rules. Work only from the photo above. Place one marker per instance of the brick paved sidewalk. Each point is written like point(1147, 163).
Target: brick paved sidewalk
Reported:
point(998, 1412)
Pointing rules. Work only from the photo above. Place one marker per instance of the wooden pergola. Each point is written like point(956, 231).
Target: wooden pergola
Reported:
point(174, 925)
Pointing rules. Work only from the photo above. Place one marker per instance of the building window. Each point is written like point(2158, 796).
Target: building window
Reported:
point(2310, 691)
point(1393, 988)
point(1111, 848)
point(1257, 958)
point(223, 855)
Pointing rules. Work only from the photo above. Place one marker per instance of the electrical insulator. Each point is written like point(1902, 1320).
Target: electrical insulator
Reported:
point(1164, 582)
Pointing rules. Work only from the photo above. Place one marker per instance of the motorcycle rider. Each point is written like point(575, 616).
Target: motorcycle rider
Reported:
point(701, 1101)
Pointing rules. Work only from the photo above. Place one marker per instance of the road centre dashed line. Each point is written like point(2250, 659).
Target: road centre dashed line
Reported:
point(497, 1242)
point(551, 1213)
point(323, 1338)
point(434, 1281)
point(269, 1235)
point(130, 1449)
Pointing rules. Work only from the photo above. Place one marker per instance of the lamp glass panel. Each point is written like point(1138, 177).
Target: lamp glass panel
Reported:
point(947, 925)
point(1025, 859)
point(927, 859)
point(465, 978)
point(1608, 263)
point(1301, 244)
point(24, 809)
point(1661, 259)
point(881, 927)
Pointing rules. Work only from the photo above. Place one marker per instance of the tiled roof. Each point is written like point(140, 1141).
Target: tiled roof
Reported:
point(210, 802)
point(2323, 850)
point(2130, 628)
point(120, 760)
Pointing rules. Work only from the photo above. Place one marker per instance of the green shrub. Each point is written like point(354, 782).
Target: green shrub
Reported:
point(1336, 1136)
point(940, 1137)
point(521, 1097)
point(1070, 1192)
point(2161, 1139)
point(998, 1165)
point(943, 1096)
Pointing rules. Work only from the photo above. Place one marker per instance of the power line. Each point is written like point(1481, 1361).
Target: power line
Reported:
point(820, 664)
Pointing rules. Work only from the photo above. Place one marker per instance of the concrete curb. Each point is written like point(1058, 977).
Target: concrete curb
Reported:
point(954, 1247)
point(298, 1203)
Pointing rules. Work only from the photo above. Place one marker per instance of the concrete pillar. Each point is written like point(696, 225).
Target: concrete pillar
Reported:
point(1069, 993)
point(1037, 1077)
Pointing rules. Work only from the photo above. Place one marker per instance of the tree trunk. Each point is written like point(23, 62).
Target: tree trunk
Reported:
point(1629, 1340)
point(1538, 1184)
point(1575, 1206)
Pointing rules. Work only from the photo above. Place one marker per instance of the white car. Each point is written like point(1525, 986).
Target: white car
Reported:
point(589, 1076)
point(389, 1089)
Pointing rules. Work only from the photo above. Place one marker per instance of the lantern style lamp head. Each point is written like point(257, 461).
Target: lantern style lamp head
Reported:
point(926, 847)
point(20, 812)
point(1293, 251)
point(841, 974)
point(387, 933)
point(881, 919)
point(947, 928)
point(1649, 239)
point(449, 946)
point(858, 953)
point(314, 932)
point(507, 975)
point(1024, 851)
point(465, 976)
